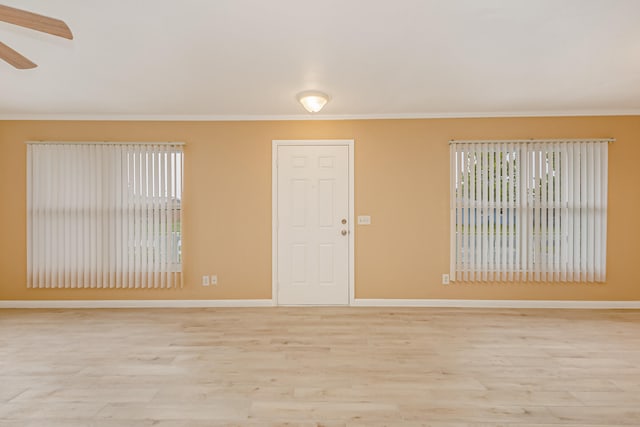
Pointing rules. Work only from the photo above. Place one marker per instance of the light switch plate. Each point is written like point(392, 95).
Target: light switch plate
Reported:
point(364, 220)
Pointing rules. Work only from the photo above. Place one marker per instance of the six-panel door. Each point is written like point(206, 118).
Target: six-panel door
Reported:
point(312, 227)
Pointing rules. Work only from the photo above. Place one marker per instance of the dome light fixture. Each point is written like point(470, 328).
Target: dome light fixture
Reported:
point(312, 100)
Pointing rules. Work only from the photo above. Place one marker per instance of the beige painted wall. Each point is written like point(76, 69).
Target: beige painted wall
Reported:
point(401, 180)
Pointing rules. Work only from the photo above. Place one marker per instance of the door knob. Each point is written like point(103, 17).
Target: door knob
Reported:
point(344, 220)
point(343, 232)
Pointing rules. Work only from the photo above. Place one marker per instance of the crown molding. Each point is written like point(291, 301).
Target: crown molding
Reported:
point(298, 117)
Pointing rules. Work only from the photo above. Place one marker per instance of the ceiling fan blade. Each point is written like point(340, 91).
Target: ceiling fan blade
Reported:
point(14, 58)
point(34, 21)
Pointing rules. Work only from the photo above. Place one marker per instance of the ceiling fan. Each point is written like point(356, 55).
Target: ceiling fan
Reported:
point(33, 21)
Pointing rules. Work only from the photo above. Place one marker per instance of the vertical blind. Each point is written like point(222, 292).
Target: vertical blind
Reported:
point(104, 215)
point(533, 210)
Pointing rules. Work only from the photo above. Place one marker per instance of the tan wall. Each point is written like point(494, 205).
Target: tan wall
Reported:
point(401, 180)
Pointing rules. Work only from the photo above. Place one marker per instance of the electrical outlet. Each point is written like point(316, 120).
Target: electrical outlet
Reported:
point(214, 279)
point(205, 280)
point(445, 279)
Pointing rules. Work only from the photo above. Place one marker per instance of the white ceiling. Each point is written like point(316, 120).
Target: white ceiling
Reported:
point(217, 59)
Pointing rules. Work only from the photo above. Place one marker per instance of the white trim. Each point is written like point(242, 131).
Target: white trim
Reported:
point(136, 303)
point(274, 208)
point(274, 223)
point(352, 224)
point(360, 302)
point(247, 117)
point(466, 303)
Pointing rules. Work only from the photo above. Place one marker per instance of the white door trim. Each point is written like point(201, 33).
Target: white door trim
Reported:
point(274, 208)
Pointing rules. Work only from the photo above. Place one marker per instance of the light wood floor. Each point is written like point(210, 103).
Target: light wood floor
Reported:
point(319, 367)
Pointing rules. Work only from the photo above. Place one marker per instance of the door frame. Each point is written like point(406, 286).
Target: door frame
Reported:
point(349, 143)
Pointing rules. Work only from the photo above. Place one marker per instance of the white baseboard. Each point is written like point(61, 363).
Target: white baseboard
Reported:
point(360, 302)
point(137, 303)
point(467, 303)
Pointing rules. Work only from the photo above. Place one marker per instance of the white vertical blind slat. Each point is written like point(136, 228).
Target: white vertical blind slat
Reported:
point(534, 253)
point(30, 243)
point(485, 212)
point(57, 232)
point(577, 228)
point(554, 215)
point(65, 257)
point(73, 217)
point(584, 225)
point(54, 239)
point(91, 279)
point(564, 212)
point(513, 221)
point(129, 222)
point(108, 225)
point(162, 253)
point(460, 217)
point(35, 222)
point(46, 250)
point(157, 233)
point(495, 214)
point(473, 246)
point(548, 215)
point(557, 246)
point(142, 218)
point(103, 217)
point(137, 217)
point(180, 174)
point(40, 221)
point(523, 220)
point(551, 221)
point(543, 213)
point(117, 221)
point(171, 170)
point(591, 217)
point(468, 213)
point(99, 213)
point(486, 231)
point(465, 214)
point(503, 212)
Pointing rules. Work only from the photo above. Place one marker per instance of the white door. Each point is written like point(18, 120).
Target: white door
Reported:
point(312, 224)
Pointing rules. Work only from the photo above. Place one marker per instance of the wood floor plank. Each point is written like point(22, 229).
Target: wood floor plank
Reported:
point(320, 366)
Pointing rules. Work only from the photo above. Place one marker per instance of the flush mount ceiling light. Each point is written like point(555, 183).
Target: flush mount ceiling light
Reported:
point(312, 100)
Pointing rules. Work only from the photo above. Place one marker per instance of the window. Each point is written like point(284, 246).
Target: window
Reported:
point(529, 210)
point(104, 215)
